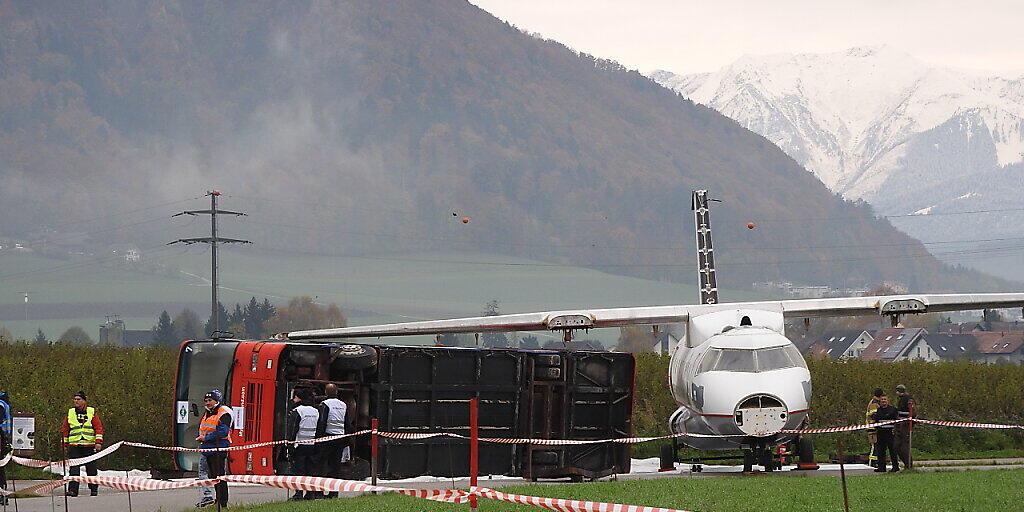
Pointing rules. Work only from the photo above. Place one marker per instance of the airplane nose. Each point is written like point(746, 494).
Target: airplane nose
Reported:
point(761, 414)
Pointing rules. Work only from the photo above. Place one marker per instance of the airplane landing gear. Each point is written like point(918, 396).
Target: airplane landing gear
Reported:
point(762, 456)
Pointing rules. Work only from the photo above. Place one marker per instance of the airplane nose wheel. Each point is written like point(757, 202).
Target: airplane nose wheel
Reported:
point(760, 455)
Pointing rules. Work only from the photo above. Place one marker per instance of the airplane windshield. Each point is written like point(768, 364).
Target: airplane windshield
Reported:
point(736, 361)
point(762, 360)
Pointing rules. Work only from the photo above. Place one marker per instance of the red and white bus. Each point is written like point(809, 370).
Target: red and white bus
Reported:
point(539, 394)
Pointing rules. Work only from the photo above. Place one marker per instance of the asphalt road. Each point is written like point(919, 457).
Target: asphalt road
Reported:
point(185, 499)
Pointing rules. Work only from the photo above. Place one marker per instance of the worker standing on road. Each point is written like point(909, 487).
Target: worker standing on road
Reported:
point(886, 442)
point(214, 432)
point(872, 435)
point(82, 436)
point(905, 406)
point(302, 421)
point(332, 422)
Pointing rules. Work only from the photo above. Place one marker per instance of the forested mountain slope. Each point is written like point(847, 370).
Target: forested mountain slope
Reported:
point(361, 127)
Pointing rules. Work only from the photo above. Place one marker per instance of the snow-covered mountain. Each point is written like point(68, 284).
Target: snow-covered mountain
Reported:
point(874, 123)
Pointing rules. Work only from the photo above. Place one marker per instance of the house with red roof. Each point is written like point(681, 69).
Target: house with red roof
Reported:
point(999, 347)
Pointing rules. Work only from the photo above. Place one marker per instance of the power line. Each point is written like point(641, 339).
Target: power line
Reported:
point(137, 210)
point(643, 265)
point(619, 247)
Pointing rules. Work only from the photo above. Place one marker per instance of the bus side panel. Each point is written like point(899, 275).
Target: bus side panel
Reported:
point(253, 393)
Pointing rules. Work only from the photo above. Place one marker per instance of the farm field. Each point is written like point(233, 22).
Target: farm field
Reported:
point(369, 289)
point(952, 491)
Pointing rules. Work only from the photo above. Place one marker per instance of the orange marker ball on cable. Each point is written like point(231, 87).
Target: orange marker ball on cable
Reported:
point(465, 220)
point(750, 225)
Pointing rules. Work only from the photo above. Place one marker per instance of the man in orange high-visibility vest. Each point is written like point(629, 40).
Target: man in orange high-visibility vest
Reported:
point(83, 436)
point(214, 432)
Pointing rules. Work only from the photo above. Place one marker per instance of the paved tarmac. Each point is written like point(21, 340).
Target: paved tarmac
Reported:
point(184, 499)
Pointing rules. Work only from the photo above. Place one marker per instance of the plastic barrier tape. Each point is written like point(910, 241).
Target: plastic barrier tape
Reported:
point(499, 440)
point(565, 505)
point(315, 483)
point(312, 483)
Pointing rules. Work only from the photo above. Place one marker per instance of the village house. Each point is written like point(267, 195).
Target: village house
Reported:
point(841, 344)
point(999, 347)
point(942, 347)
point(892, 344)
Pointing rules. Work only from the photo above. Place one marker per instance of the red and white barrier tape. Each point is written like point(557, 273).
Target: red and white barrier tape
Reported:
point(33, 463)
point(967, 424)
point(311, 483)
point(499, 440)
point(140, 483)
point(245, 446)
point(562, 505)
point(315, 483)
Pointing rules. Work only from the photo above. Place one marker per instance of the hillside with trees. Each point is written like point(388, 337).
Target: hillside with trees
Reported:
point(362, 127)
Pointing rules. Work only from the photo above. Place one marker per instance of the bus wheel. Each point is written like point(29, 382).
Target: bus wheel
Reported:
point(354, 357)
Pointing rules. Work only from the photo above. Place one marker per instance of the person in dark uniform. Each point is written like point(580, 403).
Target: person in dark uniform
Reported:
point(905, 406)
point(886, 440)
point(302, 421)
point(332, 422)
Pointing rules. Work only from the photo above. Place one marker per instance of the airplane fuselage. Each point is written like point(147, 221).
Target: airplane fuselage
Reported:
point(743, 381)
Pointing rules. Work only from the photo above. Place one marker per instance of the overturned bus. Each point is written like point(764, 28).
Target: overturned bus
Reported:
point(522, 394)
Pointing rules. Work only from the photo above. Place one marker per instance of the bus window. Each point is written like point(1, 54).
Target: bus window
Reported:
point(203, 366)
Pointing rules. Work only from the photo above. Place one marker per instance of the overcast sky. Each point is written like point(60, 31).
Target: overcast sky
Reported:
point(688, 36)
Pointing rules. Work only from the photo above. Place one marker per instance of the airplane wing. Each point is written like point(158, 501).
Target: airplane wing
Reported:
point(618, 317)
point(543, 321)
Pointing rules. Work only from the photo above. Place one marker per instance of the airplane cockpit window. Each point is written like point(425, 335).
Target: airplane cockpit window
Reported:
point(736, 361)
point(795, 355)
point(762, 360)
point(773, 359)
point(710, 360)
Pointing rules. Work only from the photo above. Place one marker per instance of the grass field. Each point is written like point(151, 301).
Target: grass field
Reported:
point(389, 288)
point(952, 491)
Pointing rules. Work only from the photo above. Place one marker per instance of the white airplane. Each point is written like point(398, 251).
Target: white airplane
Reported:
point(733, 372)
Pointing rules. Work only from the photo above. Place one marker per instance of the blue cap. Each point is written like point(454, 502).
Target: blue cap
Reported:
point(215, 395)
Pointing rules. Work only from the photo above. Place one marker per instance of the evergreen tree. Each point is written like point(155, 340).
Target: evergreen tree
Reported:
point(41, 338)
point(237, 316)
point(254, 318)
point(186, 326)
point(163, 331)
point(529, 342)
point(493, 339)
point(222, 316)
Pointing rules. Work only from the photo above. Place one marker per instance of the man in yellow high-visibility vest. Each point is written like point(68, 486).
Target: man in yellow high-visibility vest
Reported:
point(83, 436)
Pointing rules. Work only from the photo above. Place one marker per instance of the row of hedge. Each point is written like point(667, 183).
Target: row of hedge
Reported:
point(131, 388)
point(957, 391)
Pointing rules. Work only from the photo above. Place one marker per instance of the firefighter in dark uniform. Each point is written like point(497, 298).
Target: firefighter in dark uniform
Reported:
point(886, 441)
point(905, 406)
